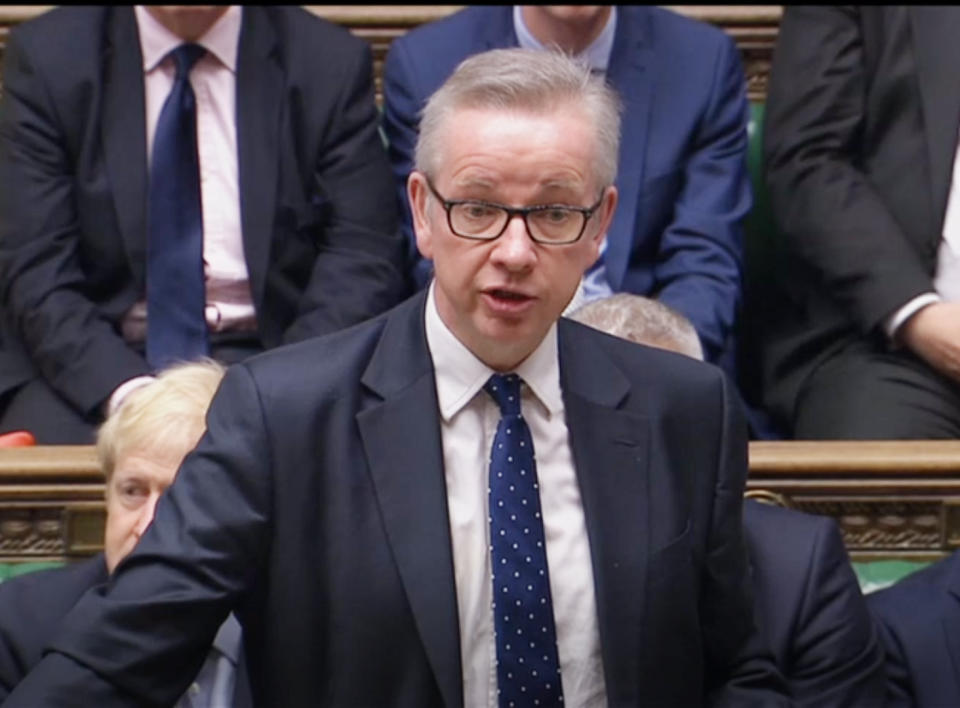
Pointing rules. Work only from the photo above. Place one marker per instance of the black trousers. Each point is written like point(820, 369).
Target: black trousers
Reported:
point(867, 393)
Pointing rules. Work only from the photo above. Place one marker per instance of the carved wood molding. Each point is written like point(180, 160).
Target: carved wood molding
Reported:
point(51, 503)
point(753, 27)
point(890, 498)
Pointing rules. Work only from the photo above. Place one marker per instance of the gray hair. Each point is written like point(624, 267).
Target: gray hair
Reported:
point(530, 80)
point(642, 320)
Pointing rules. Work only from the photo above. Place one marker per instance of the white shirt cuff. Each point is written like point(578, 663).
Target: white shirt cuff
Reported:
point(893, 322)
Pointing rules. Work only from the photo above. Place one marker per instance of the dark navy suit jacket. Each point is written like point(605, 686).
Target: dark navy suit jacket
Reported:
point(315, 507)
point(32, 608)
point(810, 609)
point(74, 184)
point(919, 619)
point(683, 179)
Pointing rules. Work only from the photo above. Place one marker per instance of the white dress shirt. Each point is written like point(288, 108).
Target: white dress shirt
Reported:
point(946, 280)
point(213, 78)
point(469, 418)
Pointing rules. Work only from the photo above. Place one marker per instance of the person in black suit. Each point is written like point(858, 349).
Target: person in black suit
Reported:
point(919, 619)
point(140, 447)
point(808, 603)
point(810, 608)
point(290, 163)
point(860, 146)
point(347, 519)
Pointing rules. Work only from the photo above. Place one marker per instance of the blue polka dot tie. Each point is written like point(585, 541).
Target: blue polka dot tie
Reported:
point(528, 669)
point(176, 296)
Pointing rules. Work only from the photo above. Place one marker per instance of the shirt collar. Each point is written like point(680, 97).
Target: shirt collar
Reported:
point(460, 374)
point(221, 40)
point(597, 54)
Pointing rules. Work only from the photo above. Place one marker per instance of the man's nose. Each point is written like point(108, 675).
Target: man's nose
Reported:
point(515, 249)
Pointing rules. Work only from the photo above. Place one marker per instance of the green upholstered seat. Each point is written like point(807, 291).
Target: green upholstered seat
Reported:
point(12, 570)
point(878, 574)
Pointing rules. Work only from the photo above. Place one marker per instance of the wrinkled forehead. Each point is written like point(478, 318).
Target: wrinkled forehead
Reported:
point(489, 148)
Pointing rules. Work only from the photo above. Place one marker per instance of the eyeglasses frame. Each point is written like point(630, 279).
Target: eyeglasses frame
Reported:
point(448, 204)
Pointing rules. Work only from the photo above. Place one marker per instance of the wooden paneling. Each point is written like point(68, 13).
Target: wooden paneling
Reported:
point(891, 498)
point(51, 503)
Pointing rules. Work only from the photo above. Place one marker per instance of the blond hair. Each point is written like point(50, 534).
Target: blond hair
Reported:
point(169, 411)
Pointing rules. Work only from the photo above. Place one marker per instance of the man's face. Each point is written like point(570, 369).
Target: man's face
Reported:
point(500, 297)
point(139, 478)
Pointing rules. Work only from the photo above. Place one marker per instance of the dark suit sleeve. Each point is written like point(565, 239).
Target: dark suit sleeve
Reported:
point(43, 287)
point(358, 271)
point(403, 98)
point(836, 657)
point(739, 669)
point(12, 668)
point(830, 215)
point(140, 639)
point(899, 684)
point(698, 271)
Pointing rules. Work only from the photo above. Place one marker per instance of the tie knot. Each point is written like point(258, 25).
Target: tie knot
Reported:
point(185, 56)
point(505, 390)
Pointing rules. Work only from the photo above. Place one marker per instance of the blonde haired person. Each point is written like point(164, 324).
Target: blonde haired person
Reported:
point(140, 448)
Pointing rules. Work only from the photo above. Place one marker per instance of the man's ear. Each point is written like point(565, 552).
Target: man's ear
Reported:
point(604, 216)
point(419, 195)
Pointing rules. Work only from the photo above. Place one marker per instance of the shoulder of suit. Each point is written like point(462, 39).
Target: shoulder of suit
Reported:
point(674, 26)
point(300, 30)
point(651, 365)
point(770, 517)
point(66, 36)
point(454, 34)
point(924, 585)
point(348, 348)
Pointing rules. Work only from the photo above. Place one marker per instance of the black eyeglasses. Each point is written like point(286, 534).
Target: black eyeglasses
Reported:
point(550, 224)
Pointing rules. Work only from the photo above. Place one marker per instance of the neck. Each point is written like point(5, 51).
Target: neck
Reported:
point(571, 33)
point(189, 23)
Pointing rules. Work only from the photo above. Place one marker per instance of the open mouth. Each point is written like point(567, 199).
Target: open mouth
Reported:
point(508, 295)
point(508, 302)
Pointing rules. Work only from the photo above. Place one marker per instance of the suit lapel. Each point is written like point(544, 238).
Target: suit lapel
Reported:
point(610, 448)
point(629, 73)
point(937, 51)
point(401, 437)
point(123, 134)
point(260, 87)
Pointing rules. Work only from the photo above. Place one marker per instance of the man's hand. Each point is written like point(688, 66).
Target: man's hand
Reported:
point(933, 334)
